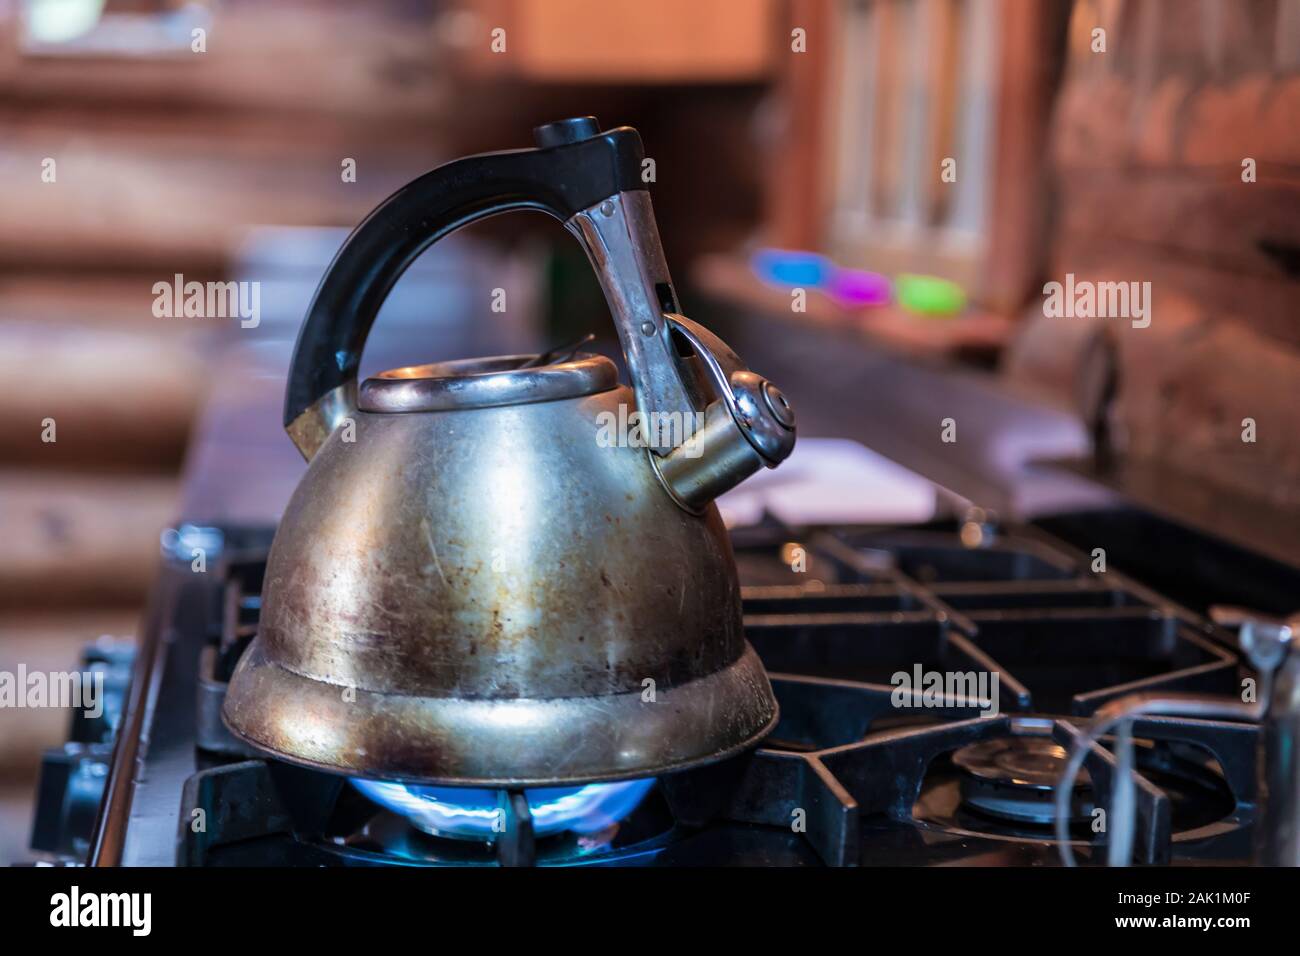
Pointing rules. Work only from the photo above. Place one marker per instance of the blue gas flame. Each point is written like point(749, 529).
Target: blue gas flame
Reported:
point(475, 814)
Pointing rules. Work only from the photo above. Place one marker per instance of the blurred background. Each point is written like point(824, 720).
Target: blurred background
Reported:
point(140, 139)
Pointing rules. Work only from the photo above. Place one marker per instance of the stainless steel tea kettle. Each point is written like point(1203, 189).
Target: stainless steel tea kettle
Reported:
point(477, 581)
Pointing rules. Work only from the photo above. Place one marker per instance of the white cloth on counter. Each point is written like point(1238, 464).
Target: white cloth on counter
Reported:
point(832, 481)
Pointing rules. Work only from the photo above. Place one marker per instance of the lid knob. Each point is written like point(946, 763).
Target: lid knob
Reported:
point(563, 132)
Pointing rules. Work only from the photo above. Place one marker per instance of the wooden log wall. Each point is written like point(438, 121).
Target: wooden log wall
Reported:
point(164, 159)
point(1148, 146)
point(162, 162)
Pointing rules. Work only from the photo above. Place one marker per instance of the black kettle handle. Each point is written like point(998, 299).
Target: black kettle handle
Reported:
point(574, 170)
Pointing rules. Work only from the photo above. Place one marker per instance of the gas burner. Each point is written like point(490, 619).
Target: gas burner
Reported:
point(478, 814)
point(1000, 786)
point(397, 824)
point(1013, 778)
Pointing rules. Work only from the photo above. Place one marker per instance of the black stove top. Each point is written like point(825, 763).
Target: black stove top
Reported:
point(930, 681)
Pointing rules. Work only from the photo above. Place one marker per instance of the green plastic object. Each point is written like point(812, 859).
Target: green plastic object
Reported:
point(929, 295)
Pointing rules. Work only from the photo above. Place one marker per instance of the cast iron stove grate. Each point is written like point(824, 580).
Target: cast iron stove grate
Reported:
point(857, 771)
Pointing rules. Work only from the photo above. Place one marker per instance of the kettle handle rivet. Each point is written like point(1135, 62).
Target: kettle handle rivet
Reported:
point(777, 405)
point(647, 328)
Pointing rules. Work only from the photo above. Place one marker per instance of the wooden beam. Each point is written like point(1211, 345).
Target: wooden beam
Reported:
point(80, 539)
point(797, 193)
point(110, 399)
point(1032, 44)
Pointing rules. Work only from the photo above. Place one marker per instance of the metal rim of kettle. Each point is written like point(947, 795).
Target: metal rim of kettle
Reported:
point(554, 742)
point(485, 383)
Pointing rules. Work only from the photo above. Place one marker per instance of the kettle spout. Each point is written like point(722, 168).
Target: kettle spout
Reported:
point(750, 425)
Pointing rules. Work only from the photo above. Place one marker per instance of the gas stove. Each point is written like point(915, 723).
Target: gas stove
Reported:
point(930, 678)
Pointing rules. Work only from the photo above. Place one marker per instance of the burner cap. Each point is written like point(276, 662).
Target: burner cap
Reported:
point(1014, 778)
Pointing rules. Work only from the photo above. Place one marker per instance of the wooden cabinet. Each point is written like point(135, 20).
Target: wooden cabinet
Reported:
point(615, 41)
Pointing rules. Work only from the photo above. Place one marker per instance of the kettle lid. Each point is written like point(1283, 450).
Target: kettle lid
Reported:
point(485, 383)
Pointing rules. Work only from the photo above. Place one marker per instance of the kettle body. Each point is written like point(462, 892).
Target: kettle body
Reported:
point(481, 581)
